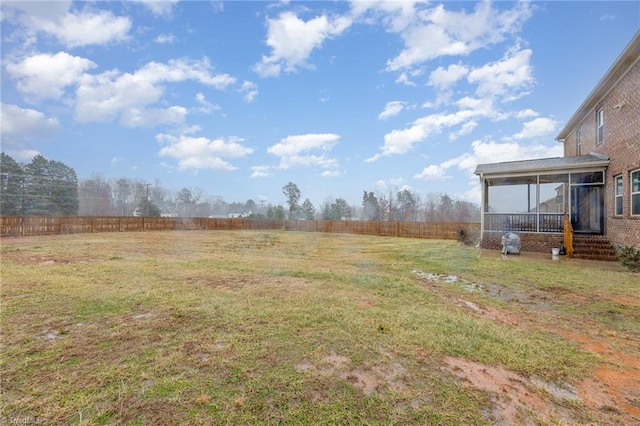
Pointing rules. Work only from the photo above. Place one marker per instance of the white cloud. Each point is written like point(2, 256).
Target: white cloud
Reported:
point(508, 77)
point(250, 91)
point(391, 186)
point(402, 141)
point(438, 32)
point(201, 152)
point(465, 129)
point(294, 145)
point(84, 27)
point(87, 28)
point(537, 128)
point(331, 173)
point(128, 97)
point(19, 126)
point(443, 78)
point(260, 171)
point(395, 15)
point(165, 39)
point(322, 161)
point(24, 155)
point(527, 113)
point(391, 109)
point(45, 75)
point(205, 107)
point(292, 40)
point(159, 7)
point(151, 117)
point(291, 150)
point(184, 69)
point(432, 172)
point(403, 78)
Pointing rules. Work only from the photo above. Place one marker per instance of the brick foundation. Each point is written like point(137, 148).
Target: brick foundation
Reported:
point(530, 241)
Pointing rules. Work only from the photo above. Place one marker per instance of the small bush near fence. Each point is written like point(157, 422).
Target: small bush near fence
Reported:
point(41, 225)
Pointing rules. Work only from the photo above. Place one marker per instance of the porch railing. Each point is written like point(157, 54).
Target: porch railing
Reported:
point(524, 222)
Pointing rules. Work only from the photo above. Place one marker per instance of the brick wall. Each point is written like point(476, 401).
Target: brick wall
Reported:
point(622, 145)
point(530, 241)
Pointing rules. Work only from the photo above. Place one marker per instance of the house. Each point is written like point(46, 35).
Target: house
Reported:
point(167, 210)
point(239, 214)
point(593, 191)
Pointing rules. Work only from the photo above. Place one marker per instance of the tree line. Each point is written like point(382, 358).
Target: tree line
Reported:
point(45, 187)
point(400, 205)
point(41, 187)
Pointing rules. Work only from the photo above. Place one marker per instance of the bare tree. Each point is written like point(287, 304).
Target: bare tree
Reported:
point(95, 196)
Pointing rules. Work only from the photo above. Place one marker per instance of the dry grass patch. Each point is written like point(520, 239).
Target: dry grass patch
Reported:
point(302, 328)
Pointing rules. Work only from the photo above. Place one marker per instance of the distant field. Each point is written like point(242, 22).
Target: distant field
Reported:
point(269, 327)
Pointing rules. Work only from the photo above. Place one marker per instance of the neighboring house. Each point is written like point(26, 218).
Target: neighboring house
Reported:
point(167, 210)
point(596, 184)
point(239, 214)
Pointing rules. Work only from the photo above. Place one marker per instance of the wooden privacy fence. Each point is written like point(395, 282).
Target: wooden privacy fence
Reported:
point(434, 230)
point(43, 225)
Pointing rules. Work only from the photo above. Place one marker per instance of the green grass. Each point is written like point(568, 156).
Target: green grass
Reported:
point(293, 328)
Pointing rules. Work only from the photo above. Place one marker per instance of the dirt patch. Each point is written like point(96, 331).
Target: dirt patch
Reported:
point(611, 392)
point(517, 399)
point(613, 389)
point(369, 378)
point(489, 312)
point(512, 395)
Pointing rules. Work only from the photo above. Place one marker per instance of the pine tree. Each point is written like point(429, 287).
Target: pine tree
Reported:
point(37, 185)
point(11, 186)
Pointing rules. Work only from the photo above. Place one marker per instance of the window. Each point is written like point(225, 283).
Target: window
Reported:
point(587, 178)
point(635, 192)
point(600, 120)
point(618, 180)
point(578, 143)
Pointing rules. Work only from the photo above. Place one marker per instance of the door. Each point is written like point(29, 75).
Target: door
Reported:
point(587, 211)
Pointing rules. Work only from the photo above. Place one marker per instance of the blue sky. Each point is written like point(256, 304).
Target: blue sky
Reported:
point(239, 98)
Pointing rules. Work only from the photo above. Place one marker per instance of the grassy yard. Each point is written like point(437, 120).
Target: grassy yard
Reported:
point(259, 327)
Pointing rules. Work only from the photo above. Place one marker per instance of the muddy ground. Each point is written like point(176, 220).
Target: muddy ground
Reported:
point(612, 391)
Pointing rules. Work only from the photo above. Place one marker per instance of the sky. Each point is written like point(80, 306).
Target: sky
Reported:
point(239, 98)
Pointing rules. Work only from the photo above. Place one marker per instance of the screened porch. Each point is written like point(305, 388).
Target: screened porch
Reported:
point(534, 195)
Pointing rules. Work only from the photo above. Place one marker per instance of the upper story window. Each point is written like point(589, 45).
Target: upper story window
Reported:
point(635, 192)
point(578, 142)
point(618, 195)
point(600, 121)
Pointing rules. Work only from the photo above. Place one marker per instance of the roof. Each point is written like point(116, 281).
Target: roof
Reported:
point(620, 67)
point(590, 161)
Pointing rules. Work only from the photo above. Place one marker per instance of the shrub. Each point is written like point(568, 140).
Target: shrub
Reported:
point(465, 236)
point(630, 258)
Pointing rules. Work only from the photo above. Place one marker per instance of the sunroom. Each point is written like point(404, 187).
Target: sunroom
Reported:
point(533, 196)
